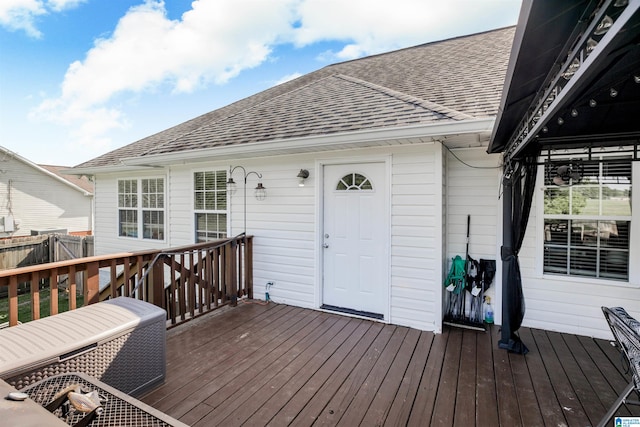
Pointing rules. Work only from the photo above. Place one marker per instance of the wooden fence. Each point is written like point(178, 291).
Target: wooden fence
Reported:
point(186, 281)
point(31, 250)
point(41, 249)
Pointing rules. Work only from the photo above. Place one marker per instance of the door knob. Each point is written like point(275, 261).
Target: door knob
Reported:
point(325, 245)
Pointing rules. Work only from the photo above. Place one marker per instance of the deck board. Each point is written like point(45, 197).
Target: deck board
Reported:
point(550, 408)
point(256, 365)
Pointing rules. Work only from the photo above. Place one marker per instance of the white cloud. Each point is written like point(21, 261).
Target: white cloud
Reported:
point(60, 5)
point(18, 15)
point(217, 39)
point(287, 78)
point(369, 27)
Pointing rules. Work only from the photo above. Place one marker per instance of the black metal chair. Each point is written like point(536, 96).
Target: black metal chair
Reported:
point(626, 331)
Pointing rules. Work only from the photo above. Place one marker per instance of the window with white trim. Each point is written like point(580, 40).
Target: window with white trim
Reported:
point(210, 205)
point(141, 198)
point(587, 221)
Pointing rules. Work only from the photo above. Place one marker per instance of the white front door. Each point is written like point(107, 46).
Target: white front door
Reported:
point(355, 239)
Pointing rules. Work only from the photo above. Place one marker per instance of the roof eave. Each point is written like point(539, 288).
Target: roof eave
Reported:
point(45, 171)
point(317, 143)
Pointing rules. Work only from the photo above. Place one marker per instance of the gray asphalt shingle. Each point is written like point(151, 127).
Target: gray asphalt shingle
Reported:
point(450, 80)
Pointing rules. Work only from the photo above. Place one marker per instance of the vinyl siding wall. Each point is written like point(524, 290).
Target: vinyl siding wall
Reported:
point(429, 208)
point(106, 222)
point(39, 201)
point(473, 189)
point(416, 244)
point(572, 305)
point(287, 225)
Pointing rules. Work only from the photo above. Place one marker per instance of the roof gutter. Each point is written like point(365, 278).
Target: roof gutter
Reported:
point(318, 143)
point(306, 144)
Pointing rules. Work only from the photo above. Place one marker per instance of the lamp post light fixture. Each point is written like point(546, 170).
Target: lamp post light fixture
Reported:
point(260, 190)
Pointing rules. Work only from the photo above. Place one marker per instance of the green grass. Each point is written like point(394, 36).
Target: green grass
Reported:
point(24, 305)
point(610, 207)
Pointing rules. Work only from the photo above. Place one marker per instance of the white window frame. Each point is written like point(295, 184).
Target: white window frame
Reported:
point(203, 211)
point(634, 237)
point(142, 203)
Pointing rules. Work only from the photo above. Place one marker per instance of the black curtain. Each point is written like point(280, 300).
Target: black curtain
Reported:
point(518, 187)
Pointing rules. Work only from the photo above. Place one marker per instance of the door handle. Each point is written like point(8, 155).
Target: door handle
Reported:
point(325, 245)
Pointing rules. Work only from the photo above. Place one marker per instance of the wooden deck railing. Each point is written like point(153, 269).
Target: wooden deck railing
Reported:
point(185, 281)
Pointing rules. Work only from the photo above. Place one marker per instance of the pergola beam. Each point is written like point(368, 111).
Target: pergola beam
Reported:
point(555, 95)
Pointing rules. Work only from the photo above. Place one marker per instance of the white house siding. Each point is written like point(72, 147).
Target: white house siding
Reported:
point(473, 189)
point(284, 228)
point(416, 242)
point(286, 225)
point(39, 201)
point(573, 305)
point(106, 222)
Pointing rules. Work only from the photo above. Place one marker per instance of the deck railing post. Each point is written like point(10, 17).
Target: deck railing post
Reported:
point(92, 291)
point(35, 295)
point(248, 266)
point(157, 284)
point(13, 300)
point(230, 267)
point(218, 272)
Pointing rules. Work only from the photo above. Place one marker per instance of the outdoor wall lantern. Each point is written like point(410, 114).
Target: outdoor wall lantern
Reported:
point(260, 190)
point(302, 175)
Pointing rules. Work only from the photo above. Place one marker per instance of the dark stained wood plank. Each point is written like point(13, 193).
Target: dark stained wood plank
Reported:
point(613, 378)
point(278, 365)
point(197, 413)
point(600, 388)
point(231, 397)
point(619, 363)
point(487, 405)
point(443, 413)
point(403, 403)
point(588, 402)
point(190, 335)
point(328, 411)
point(326, 381)
point(253, 363)
point(506, 397)
point(567, 398)
point(465, 409)
point(358, 408)
point(182, 367)
point(186, 377)
point(426, 397)
point(390, 389)
point(549, 405)
point(527, 402)
point(300, 388)
point(295, 374)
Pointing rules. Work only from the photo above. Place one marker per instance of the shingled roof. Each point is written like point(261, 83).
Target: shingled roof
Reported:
point(452, 80)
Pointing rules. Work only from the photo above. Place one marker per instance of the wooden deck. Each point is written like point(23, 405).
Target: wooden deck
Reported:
point(278, 365)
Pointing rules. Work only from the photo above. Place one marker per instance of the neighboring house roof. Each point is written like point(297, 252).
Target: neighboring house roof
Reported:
point(448, 81)
point(79, 181)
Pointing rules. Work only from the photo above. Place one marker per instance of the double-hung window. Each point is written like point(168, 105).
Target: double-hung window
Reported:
point(587, 222)
point(141, 208)
point(210, 205)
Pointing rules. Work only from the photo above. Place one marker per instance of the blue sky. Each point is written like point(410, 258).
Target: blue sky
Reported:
point(79, 78)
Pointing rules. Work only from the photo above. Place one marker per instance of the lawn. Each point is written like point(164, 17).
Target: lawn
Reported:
point(24, 305)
